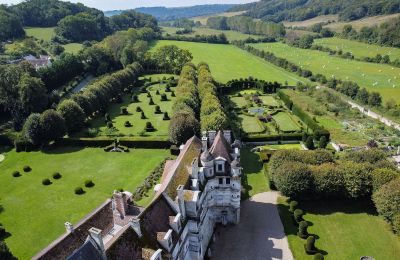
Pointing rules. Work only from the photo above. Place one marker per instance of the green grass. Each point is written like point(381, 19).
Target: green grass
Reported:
point(358, 49)
point(134, 117)
point(239, 101)
point(229, 62)
point(250, 124)
point(40, 33)
point(73, 47)
point(364, 73)
point(35, 214)
point(281, 147)
point(230, 35)
point(345, 230)
point(286, 122)
point(158, 77)
point(254, 179)
point(269, 101)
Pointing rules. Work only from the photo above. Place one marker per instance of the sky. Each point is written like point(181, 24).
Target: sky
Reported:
point(129, 4)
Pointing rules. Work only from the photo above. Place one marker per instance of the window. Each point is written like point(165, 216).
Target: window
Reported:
point(220, 181)
point(228, 180)
point(219, 167)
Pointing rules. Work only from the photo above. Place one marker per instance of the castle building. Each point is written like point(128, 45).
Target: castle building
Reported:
point(198, 190)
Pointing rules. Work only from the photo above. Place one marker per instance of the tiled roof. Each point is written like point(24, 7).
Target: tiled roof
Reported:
point(87, 251)
point(221, 147)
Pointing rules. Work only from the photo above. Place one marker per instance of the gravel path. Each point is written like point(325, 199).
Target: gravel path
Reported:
point(259, 235)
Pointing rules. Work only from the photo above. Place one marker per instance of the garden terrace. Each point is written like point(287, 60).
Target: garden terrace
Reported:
point(51, 206)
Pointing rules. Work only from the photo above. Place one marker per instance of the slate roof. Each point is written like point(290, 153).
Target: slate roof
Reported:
point(221, 147)
point(87, 251)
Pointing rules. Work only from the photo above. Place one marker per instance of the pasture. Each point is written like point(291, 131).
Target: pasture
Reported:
point(382, 78)
point(344, 229)
point(358, 49)
point(229, 62)
point(358, 24)
point(312, 21)
point(37, 213)
point(73, 48)
point(230, 35)
point(40, 33)
point(203, 19)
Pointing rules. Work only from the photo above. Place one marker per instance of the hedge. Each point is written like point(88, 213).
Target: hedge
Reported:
point(103, 142)
point(272, 138)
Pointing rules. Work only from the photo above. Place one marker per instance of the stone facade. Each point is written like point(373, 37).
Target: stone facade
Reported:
point(198, 190)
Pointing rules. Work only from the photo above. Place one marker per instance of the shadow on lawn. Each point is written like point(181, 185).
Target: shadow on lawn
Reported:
point(327, 207)
point(62, 150)
point(251, 165)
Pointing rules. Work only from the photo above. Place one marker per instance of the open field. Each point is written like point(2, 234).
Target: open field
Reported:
point(358, 49)
point(230, 35)
point(35, 214)
point(134, 117)
point(345, 230)
point(40, 33)
point(312, 21)
point(254, 180)
point(73, 47)
point(285, 122)
point(203, 19)
point(358, 24)
point(385, 78)
point(229, 62)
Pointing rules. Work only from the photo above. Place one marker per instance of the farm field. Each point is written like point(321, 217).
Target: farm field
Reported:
point(229, 62)
point(134, 117)
point(345, 230)
point(230, 35)
point(203, 19)
point(358, 24)
point(382, 78)
point(37, 213)
point(73, 48)
point(312, 21)
point(286, 122)
point(358, 49)
point(40, 33)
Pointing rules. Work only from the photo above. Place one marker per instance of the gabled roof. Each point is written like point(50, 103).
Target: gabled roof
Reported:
point(87, 251)
point(221, 147)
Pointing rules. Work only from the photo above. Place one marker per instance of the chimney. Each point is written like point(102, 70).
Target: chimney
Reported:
point(120, 202)
point(69, 227)
point(95, 234)
point(135, 224)
point(211, 136)
point(204, 141)
point(227, 135)
point(181, 201)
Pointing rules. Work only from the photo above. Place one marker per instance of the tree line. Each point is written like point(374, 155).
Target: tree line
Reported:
point(218, 39)
point(247, 25)
point(353, 175)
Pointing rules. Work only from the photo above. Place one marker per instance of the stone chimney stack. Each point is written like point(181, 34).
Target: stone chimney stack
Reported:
point(69, 227)
point(181, 201)
point(227, 135)
point(204, 141)
point(135, 224)
point(95, 234)
point(211, 136)
point(121, 204)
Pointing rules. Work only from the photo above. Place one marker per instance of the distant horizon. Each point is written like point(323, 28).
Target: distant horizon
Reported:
point(106, 5)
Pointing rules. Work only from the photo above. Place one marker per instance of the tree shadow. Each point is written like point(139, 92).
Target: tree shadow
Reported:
point(59, 149)
point(251, 165)
point(327, 207)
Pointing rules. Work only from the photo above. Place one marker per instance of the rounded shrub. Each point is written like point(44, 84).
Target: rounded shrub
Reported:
point(56, 175)
point(310, 245)
point(303, 233)
point(172, 94)
point(79, 191)
point(127, 124)
point(109, 124)
point(124, 111)
point(142, 115)
point(16, 174)
point(46, 182)
point(166, 116)
point(149, 127)
point(138, 109)
point(89, 183)
point(27, 168)
point(293, 206)
point(151, 102)
point(164, 97)
point(318, 256)
point(157, 110)
point(157, 92)
point(107, 117)
point(298, 215)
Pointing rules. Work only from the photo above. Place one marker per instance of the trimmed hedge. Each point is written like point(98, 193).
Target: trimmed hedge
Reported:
point(298, 215)
point(303, 233)
point(79, 191)
point(89, 184)
point(102, 142)
point(293, 206)
point(27, 168)
point(57, 176)
point(16, 174)
point(310, 246)
point(46, 182)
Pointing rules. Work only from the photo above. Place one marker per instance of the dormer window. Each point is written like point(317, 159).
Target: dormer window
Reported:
point(219, 167)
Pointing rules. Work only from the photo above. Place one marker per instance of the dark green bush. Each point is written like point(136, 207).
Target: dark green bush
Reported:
point(293, 180)
point(298, 215)
point(124, 111)
point(164, 97)
point(149, 127)
point(16, 174)
point(56, 175)
point(318, 256)
point(157, 110)
point(310, 246)
point(89, 183)
point(151, 102)
point(166, 116)
point(109, 124)
point(293, 206)
point(79, 191)
point(127, 124)
point(27, 169)
point(138, 109)
point(148, 94)
point(303, 233)
point(46, 182)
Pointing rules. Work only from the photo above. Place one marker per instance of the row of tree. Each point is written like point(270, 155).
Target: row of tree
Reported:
point(212, 115)
point(219, 39)
point(71, 114)
point(355, 175)
point(184, 121)
point(247, 25)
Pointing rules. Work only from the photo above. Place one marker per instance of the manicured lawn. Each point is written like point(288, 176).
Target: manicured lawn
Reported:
point(281, 146)
point(254, 180)
point(285, 122)
point(250, 124)
point(358, 49)
point(239, 101)
point(382, 78)
point(35, 214)
point(269, 101)
point(73, 47)
point(230, 35)
point(134, 117)
point(229, 62)
point(345, 230)
point(41, 33)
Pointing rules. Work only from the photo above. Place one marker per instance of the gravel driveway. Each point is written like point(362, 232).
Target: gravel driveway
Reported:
point(259, 235)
